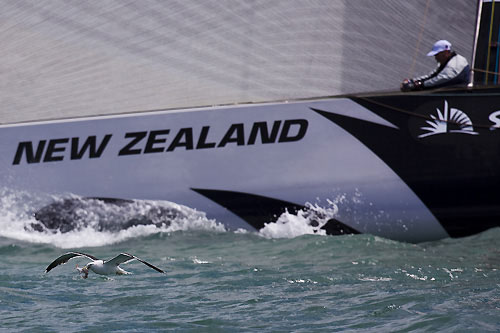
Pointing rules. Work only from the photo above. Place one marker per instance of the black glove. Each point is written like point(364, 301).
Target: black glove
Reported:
point(411, 85)
point(407, 85)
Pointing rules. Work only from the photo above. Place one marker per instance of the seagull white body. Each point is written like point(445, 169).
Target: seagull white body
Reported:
point(99, 267)
point(102, 267)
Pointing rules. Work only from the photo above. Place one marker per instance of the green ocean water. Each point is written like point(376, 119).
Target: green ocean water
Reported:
point(220, 281)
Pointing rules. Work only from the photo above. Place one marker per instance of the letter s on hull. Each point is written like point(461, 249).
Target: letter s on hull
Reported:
point(495, 119)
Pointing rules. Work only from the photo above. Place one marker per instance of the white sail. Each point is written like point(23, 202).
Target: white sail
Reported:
point(63, 59)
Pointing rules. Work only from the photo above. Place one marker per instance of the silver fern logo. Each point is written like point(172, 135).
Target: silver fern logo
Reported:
point(450, 120)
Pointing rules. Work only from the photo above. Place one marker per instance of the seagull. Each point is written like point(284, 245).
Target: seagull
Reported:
point(102, 267)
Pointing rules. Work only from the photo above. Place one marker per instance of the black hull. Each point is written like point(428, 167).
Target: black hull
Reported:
point(455, 173)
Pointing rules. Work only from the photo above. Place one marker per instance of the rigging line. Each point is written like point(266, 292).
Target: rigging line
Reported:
point(485, 71)
point(420, 34)
point(495, 81)
point(476, 38)
point(489, 40)
point(393, 108)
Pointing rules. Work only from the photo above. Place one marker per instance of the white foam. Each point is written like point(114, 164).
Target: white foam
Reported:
point(17, 210)
point(291, 225)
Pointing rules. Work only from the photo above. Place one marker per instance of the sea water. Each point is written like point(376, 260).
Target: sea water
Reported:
point(286, 278)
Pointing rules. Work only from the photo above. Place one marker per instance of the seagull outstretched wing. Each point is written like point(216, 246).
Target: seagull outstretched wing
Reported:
point(125, 257)
point(67, 256)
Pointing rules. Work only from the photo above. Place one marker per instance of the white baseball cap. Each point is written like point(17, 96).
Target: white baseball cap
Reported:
point(439, 46)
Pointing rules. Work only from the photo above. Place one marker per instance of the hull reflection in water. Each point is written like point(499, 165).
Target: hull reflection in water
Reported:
point(114, 215)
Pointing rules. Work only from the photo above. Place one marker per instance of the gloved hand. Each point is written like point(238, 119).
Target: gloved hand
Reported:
point(411, 85)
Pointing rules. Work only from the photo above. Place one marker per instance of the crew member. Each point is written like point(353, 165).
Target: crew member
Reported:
point(452, 69)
